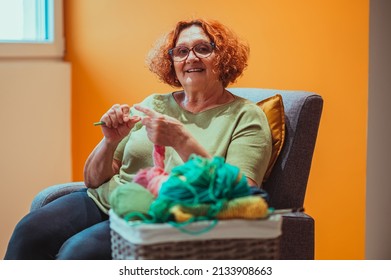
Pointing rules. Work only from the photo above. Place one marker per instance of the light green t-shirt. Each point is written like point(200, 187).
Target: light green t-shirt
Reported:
point(237, 131)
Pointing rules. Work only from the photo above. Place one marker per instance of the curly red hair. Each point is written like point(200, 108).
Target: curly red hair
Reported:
point(231, 53)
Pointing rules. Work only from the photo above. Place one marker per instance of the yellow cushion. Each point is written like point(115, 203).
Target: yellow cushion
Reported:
point(274, 111)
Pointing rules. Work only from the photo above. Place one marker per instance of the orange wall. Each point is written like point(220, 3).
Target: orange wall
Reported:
point(314, 45)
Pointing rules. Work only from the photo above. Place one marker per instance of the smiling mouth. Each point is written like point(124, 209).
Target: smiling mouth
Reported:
point(194, 70)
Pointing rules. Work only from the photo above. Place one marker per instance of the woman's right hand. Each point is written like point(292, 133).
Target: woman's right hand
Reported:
point(101, 165)
point(118, 123)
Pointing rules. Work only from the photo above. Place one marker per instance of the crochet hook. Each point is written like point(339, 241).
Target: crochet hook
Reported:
point(99, 123)
point(103, 123)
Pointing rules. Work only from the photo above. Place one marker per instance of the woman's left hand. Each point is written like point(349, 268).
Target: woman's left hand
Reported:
point(161, 129)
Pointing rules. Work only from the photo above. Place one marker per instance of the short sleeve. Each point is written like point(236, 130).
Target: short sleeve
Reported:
point(251, 145)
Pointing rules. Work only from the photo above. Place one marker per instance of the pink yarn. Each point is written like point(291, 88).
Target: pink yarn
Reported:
point(152, 178)
point(158, 156)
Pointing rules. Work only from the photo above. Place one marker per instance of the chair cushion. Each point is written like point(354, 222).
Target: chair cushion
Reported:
point(274, 111)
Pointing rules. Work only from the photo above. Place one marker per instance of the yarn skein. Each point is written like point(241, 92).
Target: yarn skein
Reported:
point(199, 181)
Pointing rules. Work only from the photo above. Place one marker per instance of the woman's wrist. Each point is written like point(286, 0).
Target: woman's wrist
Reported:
point(110, 143)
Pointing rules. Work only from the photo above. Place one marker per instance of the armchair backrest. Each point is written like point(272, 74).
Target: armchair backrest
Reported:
point(287, 183)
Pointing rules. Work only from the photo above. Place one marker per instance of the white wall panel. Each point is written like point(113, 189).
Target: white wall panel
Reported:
point(35, 135)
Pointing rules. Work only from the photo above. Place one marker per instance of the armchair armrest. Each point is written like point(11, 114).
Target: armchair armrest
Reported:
point(297, 241)
point(53, 192)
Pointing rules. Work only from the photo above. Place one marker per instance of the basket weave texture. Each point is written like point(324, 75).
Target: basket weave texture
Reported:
point(215, 249)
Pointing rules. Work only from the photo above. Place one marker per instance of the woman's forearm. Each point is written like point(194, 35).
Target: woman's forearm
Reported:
point(99, 166)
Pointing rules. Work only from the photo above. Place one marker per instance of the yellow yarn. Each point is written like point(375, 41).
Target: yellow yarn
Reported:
point(248, 207)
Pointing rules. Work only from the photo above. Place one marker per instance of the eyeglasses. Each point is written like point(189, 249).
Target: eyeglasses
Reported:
point(201, 50)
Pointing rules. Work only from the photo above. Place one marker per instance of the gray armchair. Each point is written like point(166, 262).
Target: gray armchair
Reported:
point(287, 183)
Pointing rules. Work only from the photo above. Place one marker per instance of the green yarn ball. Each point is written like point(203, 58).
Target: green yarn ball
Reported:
point(130, 198)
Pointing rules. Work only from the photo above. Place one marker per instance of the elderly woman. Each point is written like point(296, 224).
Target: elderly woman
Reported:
point(202, 58)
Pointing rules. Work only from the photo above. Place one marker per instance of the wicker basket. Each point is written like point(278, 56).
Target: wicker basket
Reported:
point(161, 241)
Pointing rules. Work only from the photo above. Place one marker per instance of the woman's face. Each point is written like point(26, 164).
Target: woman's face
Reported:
point(193, 72)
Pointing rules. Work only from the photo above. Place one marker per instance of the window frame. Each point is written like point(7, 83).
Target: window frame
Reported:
point(53, 49)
